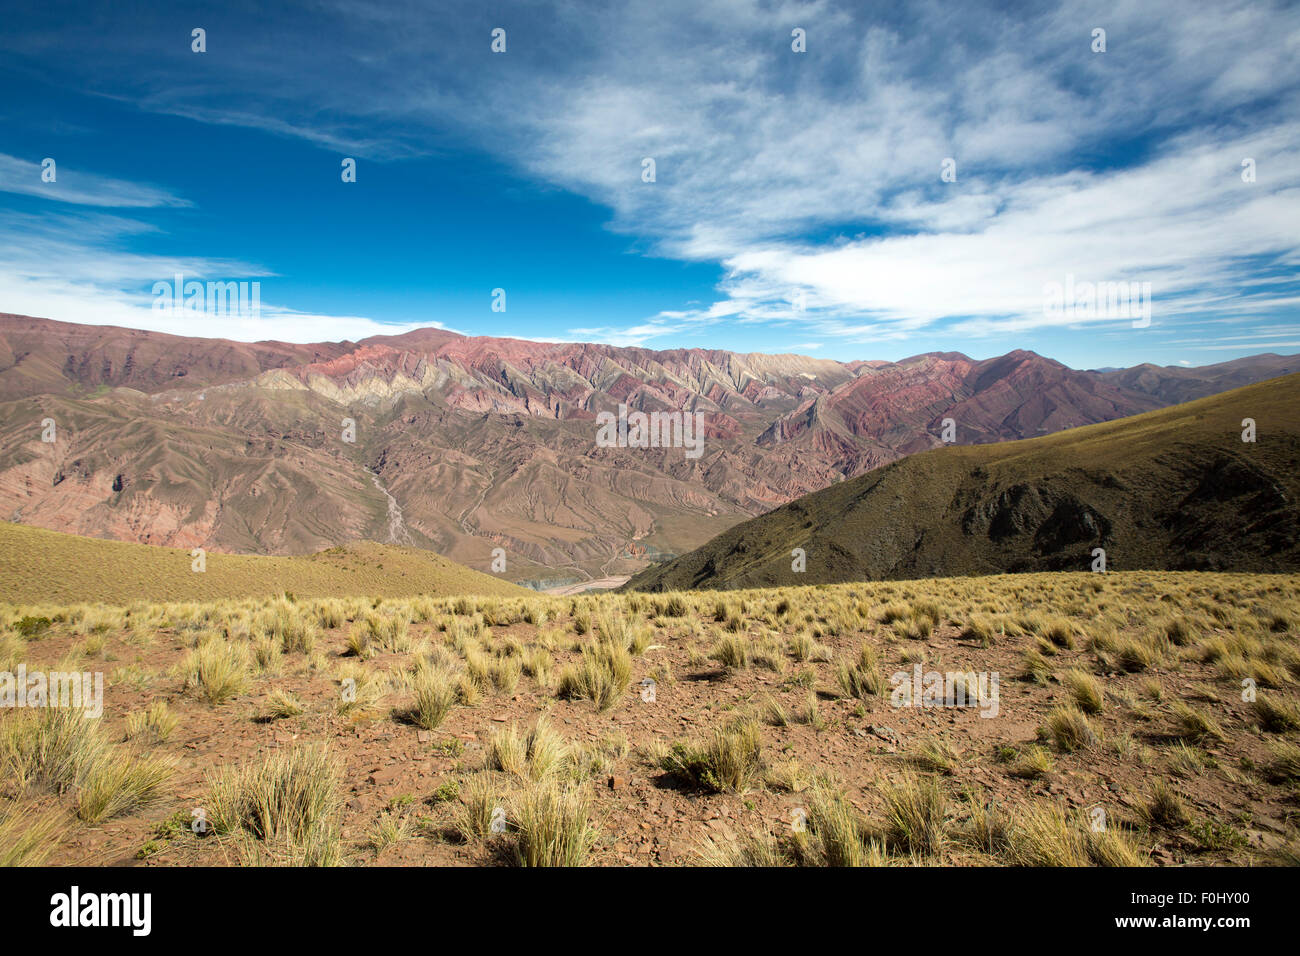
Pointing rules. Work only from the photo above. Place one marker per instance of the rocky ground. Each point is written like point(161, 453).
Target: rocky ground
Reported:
point(1120, 693)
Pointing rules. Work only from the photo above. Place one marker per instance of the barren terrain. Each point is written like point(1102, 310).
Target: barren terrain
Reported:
point(773, 735)
point(464, 444)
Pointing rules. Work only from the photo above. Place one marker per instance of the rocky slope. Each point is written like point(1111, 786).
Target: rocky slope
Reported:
point(1174, 489)
point(1173, 384)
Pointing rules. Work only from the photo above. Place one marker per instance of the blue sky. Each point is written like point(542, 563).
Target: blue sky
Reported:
point(798, 204)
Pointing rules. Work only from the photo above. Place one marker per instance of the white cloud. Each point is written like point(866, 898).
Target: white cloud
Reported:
point(66, 268)
point(1253, 347)
point(90, 304)
point(72, 185)
point(820, 171)
point(634, 336)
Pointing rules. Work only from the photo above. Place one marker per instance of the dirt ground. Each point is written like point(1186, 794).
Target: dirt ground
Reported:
point(646, 816)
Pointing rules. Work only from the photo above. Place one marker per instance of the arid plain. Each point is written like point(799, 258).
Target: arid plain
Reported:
point(501, 730)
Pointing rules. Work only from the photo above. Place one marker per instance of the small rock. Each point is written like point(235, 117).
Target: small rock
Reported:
point(385, 776)
point(887, 734)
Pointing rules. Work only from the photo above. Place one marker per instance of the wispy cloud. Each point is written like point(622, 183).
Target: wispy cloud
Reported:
point(816, 176)
point(71, 267)
point(1253, 347)
point(645, 334)
point(71, 185)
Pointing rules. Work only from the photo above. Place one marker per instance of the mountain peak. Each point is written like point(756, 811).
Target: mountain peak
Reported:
point(470, 443)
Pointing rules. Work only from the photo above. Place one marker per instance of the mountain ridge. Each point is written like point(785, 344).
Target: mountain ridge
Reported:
point(1173, 489)
point(483, 443)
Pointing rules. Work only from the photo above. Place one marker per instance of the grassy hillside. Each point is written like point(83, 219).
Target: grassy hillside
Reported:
point(1077, 691)
point(39, 567)
point(1175, 488)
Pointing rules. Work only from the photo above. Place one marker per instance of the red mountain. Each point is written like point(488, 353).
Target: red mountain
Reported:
point(466, 444)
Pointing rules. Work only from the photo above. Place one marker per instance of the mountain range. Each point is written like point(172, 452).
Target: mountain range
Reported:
point(463, 445)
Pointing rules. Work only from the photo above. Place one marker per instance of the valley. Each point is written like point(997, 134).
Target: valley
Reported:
point(463, 445)
point(944, 677)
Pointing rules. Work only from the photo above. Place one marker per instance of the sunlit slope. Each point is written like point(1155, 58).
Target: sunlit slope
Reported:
point(1176, 489)
point(38, 566)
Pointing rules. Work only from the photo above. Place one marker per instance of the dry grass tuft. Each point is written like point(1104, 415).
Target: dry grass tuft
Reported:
point(289, 801)
point(731, 762)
